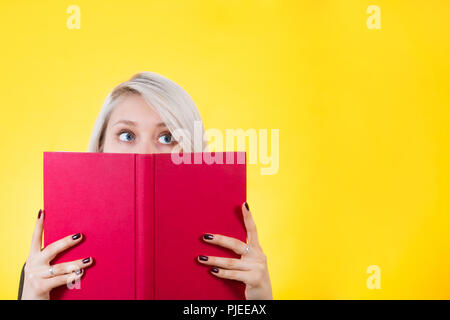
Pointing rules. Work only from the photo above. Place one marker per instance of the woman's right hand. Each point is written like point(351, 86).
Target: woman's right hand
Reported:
point(39, 276)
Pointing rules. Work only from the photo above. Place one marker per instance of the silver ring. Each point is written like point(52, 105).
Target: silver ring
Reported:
point(246, 250)
point(51, 271)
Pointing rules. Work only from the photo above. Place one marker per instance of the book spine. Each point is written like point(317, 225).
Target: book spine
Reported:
point(144, 177)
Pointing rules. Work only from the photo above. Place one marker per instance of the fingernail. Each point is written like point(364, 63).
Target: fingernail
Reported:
point(246, 205)
point(215, 270)
point(79, 271)
point(86, 260)
point(208, 236)
point(39, 214)
point(76, 236)
point(203, 258)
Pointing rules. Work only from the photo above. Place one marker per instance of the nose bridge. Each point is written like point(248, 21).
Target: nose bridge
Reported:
point(146, 146)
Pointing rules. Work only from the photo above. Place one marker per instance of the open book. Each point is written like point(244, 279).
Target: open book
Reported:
point(143, 217)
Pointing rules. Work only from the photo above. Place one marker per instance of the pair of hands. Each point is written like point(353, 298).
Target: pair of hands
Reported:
point(40, 277)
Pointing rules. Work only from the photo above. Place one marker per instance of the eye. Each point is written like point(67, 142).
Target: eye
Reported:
point(166, 138)
point(126, 136)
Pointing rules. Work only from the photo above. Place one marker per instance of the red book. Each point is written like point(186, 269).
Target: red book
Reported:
point(143, 217)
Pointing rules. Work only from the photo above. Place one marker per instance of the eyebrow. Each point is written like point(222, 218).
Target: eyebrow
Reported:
point(132, 123)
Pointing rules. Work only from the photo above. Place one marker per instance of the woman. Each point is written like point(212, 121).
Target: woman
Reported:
point(146, 115)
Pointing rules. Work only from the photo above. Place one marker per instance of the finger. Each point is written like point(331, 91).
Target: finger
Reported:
point(250, 225)
point(68, 267)
point(36, 240)
point(226, 263)
point(227, 242)
point(244, 276)
point(65, 279)
point(56, 247)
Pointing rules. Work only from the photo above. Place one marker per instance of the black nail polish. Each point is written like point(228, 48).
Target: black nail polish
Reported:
point(39, 214)
point(76, 236)
point(86, 260)
point(208, 236)
point(246, 205)
point(203, 258)
point(79, 271)
point(215, 270)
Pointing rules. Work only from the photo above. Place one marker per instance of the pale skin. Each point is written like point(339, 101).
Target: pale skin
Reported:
point(135, 128)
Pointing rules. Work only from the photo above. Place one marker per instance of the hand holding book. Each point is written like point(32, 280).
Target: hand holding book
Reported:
point(251, 268)
point(39, 276)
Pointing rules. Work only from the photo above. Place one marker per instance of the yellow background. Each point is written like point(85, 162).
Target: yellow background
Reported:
point(363, 115)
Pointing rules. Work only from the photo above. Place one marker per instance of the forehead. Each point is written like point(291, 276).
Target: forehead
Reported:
point(133, 107)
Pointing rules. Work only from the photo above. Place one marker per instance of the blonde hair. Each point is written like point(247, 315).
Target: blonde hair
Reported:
point(174, 105)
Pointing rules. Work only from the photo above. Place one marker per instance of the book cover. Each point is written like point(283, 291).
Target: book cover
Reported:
point(142, 217)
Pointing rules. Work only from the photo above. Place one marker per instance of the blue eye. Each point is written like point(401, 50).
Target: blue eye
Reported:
point(166, 138)
point(124, 136)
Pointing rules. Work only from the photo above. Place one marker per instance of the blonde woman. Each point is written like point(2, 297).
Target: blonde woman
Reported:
point(147, 114)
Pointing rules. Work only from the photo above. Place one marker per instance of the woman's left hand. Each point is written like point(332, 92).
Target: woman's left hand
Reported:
point(251, 268)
